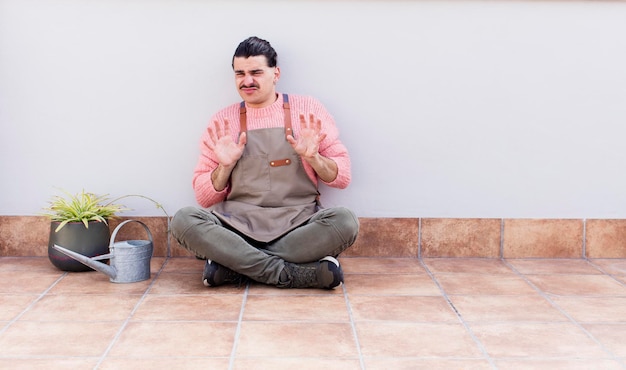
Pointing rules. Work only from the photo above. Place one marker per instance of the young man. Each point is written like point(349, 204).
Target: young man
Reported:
point(257, 181)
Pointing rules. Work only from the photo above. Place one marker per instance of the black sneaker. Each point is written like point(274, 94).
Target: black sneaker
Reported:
point(215, 274)
point(324, 274)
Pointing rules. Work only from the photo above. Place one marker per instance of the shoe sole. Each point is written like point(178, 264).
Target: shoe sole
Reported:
point(336, 262)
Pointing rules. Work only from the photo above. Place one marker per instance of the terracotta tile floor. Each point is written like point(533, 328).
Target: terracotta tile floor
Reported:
point(403, 313)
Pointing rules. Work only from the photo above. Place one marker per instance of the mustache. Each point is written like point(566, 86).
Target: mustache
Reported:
point(248, 86)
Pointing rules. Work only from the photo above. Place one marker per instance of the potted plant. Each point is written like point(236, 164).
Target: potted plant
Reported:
point(79, 222)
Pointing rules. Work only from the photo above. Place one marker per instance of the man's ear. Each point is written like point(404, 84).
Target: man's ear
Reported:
point(276, 74)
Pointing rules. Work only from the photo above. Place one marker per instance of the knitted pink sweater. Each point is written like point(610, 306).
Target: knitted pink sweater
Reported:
point(268, 117)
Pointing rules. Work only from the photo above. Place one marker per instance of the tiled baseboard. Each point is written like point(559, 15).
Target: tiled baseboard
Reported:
point(391, 237)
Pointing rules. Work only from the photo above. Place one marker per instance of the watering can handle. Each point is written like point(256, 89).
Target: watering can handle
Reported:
point(124, 223)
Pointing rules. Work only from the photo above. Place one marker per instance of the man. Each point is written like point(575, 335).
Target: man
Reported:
point(257, 179)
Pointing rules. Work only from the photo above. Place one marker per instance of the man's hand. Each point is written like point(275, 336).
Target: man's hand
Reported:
point(308, 143)
point(222, 144)
point(308, 146)
point(227, 152)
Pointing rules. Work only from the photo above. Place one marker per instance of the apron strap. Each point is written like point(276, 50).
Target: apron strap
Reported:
point(243, 123)
point(242, 118)
point(288, 130)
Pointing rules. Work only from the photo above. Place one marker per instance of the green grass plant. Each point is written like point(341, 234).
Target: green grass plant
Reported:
point(81, 207)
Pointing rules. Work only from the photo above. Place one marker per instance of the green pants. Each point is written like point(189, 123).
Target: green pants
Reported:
point(328, 233)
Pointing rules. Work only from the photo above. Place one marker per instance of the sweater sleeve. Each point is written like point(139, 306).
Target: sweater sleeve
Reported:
point(205, 193)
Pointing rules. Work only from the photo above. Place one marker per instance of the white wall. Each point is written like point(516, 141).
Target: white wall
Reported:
point(449, 108)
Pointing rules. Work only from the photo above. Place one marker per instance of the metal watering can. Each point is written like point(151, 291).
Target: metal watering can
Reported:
point(129, 261)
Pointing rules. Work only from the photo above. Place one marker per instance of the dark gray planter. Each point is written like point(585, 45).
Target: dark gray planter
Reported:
point(90, 242)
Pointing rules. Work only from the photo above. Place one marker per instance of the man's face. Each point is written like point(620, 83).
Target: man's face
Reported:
point(256, 82)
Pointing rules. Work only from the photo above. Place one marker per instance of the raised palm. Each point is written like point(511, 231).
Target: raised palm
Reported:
point(308, 142)
point(222, 144)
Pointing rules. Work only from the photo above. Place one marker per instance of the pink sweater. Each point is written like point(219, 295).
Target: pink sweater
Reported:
point(268, 117)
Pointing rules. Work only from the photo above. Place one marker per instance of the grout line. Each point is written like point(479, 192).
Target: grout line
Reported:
point(605, 272)
point(353, 325)
point(469, 330)
point(563, 312)
point(584, 256)
point(168, 245)
point(125, 323)
point(419, 238)
point(501, 238)
point(233, 352)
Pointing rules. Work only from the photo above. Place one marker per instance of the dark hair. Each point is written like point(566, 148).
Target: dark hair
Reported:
point(253, 46)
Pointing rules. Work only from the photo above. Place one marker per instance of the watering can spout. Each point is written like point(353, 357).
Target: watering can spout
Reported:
point(91, 262)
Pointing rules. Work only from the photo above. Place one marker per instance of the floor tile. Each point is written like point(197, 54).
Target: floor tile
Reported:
point(296, 339)
point(401, 308)
point(356, 265)
point(558, 364)
point(403, 363)
point(28, 264)
point(419, 284)
point(165, 363)
point(49, 363)
point(468, 265)
point(185, 265)
point(207, 307)
point(593, 309)
point(586, 285)
point(403, 339)
point(156, 263)
point(93, 282)
point(269, 290)
point(14, 304)
point(509, 340)
point(41, 338)
point(490, 308)
point(300, 363)
point(313, 308)
point(403, 313)
point(554, 266)
point(157, 339)
point(495, 284)
point(27, 282)
point(183, 283)
point(611, 266)
point(54, 307)
point(612, 336)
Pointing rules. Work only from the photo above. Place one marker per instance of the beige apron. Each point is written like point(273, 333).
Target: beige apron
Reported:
point(271, 194)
